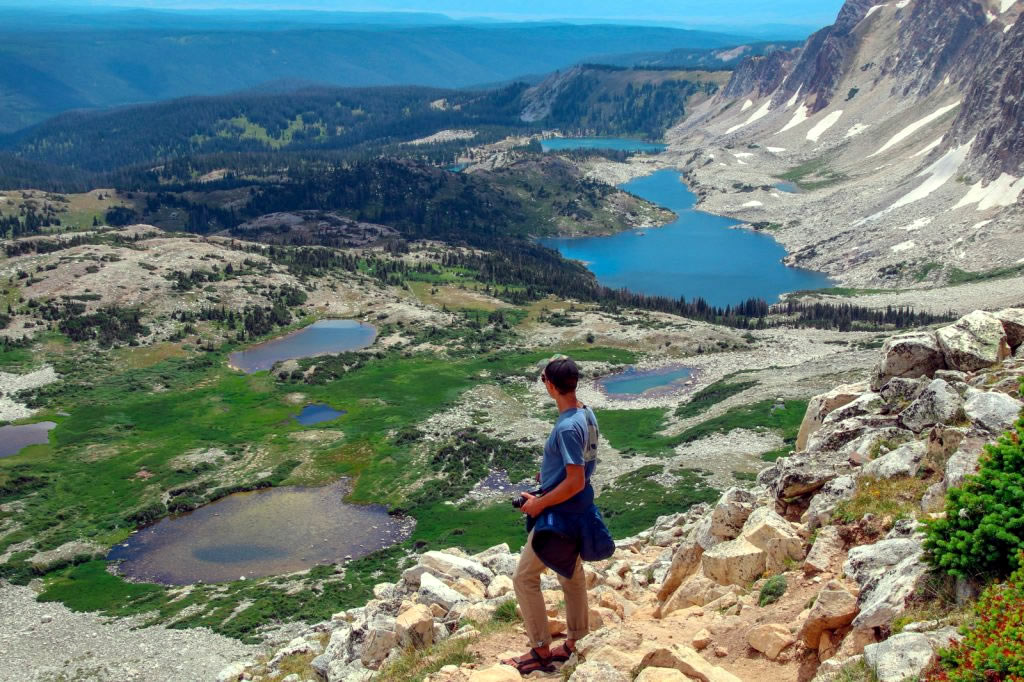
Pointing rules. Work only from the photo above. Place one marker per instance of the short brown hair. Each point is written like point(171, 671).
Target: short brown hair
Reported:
point(563, 374)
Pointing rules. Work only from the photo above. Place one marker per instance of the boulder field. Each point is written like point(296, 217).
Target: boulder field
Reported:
point(686, 599)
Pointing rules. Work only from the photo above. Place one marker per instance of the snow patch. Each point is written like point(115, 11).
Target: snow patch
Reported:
point(747, 105)
point(824, 124)
point(916, 225)
point(775, 150)
point(1003, 191)
point(1006, 29)
point(792, 100)
point(939, 173)
point(752, 204)
point(904, 246)
point(1006, 4)
point(711, 156)
point(978, 226)
point(741, 162)
point(856, 130)
point(742, 155)
point(927, 149)
point(799, 117)
point(915, 126)
point(945, 81)
point(760, 113)
point(902, 3)
point(874, 9)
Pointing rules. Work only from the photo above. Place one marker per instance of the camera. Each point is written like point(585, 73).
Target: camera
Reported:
point(518, 501)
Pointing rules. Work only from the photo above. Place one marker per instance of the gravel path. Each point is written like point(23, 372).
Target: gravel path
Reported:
point(46, 641)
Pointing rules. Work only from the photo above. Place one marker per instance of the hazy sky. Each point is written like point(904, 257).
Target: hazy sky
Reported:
point(695, 12)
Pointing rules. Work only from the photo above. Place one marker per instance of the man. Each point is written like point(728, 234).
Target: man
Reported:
point(569, 461)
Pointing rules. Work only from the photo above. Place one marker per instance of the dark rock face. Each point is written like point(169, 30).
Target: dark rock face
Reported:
point(993, 109)
point(759, 76)
point(936, 38)
point(825, 58)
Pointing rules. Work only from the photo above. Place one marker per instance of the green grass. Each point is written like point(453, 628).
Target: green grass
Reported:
point(958, 276)
point(634, 501)
point(846, 292)
point(772, 590)
point(785, 421)
point(715, 393)
point(813, 174)
point(631, 431)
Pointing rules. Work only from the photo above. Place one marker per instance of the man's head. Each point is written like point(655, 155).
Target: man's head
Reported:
point(560, 376)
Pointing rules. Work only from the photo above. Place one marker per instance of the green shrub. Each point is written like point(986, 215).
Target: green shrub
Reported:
point(772, 590)
point(983, 529)
point(993, 643)
point(506, 612)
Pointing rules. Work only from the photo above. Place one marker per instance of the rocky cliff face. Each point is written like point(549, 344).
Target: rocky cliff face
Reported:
point(760, 76)
point(792, 579)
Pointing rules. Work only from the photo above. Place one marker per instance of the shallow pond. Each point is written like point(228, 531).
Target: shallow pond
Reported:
point(320, 338)
point(317, 414)
point(14, 438)
point(619, 144)
point(458, 167)
point(637, 382)
point(696, 255)
point(260, 533)
point(788, 187)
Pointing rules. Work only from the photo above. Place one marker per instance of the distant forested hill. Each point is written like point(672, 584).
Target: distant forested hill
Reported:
point(48, 71)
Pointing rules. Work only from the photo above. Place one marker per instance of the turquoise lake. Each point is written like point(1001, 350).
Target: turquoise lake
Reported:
point(320, 338)
point(636, 382)
point(317, 414)
point(696, 255)
point(619, 144)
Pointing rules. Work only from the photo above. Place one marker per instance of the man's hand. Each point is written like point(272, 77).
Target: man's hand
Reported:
point(533, 505)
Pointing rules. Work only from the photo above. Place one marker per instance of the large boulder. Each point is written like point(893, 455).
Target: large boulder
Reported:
point(835, 607)
point(687, 661)
point(770, 639)
point(992, 411)
point(960, 465)
point(456, 566)
point(909, 355)
point(867, 403)
point(901, 462)
point(867, 561)
point(876, 442)
point(415, 626)
point(496, 673)
point(975, 341)
point(801, 474)
point(884, 596)
point(938, 403)
point(1013, 325)
point(378, 643)
point(901, 657)
point(697, 590)
point(824, 504)
point(729, 514)
point(433, 591)
point(685, 561)
point(735, 562)
point(661, 675)
point(826, 552)
point(498, 559)
point(775, 535)
point(820, 406)
point(597, 671)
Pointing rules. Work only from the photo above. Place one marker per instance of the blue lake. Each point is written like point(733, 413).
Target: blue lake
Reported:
point(458, 168)
point(317, 414)
point(620, 144)
point(634, 381)
point(696, 255)
point(320, 338)
point(788, 187)
point(14, 438)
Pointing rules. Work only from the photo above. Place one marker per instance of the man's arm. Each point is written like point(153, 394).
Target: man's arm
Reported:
point(574, 482)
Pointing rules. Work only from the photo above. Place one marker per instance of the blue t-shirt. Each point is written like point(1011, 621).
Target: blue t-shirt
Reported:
point(566, 445)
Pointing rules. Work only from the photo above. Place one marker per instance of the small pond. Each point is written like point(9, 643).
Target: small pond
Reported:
point(320, 338)
point(256, 534)
point(619, 144)
point(637, 382)
point(317, 414)
point(458, 167)
point(788, 187)
point(14, 438)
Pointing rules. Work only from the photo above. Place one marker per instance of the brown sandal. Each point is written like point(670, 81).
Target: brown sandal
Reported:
point(530, 663)
point(558, 657)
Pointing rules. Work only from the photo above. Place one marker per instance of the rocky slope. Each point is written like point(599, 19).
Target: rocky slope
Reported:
point(680, 600)
point(900, 125)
